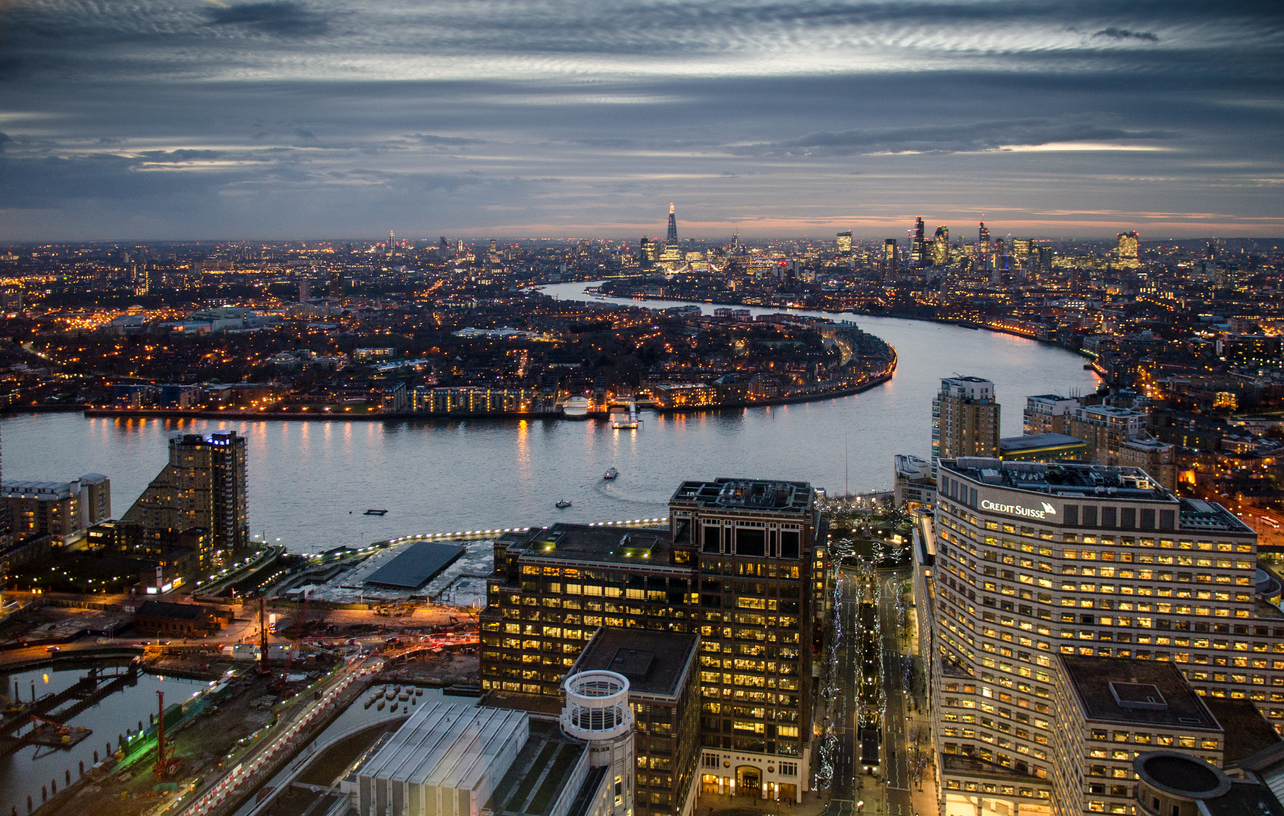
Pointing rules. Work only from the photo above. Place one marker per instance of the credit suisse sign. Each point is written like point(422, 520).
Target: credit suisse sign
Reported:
point(1020, 510)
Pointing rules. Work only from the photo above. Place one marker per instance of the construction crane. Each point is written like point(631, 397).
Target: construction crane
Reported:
point(166, 762)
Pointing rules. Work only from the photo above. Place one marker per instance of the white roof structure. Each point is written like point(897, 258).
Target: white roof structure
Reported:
point(446, 759)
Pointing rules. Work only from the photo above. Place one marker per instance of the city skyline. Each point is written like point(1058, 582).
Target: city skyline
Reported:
point(300, 119)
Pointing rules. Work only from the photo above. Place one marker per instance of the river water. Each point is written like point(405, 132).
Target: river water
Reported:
point(309, 482)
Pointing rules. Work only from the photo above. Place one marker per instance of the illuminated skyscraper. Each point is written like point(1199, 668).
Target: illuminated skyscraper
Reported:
point(672, 239)
point(1126, 250)
point(845, 242)
point(941, 246)
point(918, 249)
point(889, 260)
point(983, 254)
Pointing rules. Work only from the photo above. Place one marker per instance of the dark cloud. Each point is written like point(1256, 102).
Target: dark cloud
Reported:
point(284, 19)
point(305, 135)
point(955, 138)
point(3, 138)
point(1124, 34)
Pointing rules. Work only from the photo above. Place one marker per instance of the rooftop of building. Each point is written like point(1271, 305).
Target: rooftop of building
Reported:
point(1138, 692)
point(1244, 798)
point(756, 495)
point(540, 772)
point(1110, 411)
point(1247, 731)
point(165, 609)
point(1050, 398)
point(655, 663)
point(1061, 478)
point(1031, 442)
point(967, 379)
point(451, 744)
point(583, 542)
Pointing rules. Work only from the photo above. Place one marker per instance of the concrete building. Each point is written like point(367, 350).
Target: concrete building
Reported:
point(742, 564)
point(965, 419)
point(1025, 564)
point(63, 510)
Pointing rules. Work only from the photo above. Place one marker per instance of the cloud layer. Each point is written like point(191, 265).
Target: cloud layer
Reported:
point(294, 118)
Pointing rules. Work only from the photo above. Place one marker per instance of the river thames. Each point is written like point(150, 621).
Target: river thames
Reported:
point(310, 482)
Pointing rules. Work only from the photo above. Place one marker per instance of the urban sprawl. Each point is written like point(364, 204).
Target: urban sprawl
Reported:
point(1085, 618)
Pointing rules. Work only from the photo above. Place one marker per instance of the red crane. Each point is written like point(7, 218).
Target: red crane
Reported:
point(165, 762)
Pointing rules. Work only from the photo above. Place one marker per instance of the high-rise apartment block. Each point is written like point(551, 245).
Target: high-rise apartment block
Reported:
point(845, 242)
point(1026, 571)
point(965, 419)
point(742, 565)
point(335, 289)
point(203, 487)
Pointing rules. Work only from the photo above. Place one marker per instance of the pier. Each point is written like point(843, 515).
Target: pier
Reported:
point(49, 714)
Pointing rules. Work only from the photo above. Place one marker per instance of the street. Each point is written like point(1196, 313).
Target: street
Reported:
point(896, 772)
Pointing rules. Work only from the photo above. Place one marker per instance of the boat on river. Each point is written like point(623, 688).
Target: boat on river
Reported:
point(610, 474)
point(562, 504)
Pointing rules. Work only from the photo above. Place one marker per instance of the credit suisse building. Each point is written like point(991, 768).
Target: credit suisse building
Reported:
point(1024, 563)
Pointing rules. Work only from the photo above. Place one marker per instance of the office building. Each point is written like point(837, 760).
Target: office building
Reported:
point(918, 248)
point(203, 487)
point(62, 510)
point(336, 283)
point(941, 246)
point(742, 564)
point(1126, 254)
point(983, 248)
point(965, 419)
point(648, 250)
point(671, 238)
point(1026, 566)
point(890, 260)
point(845, 242)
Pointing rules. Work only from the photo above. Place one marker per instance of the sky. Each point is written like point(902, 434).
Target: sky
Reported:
point(298, 119)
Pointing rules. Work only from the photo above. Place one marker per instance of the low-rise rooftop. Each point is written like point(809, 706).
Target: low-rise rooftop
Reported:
point(1134, 691)
point(747, 494)
point(654, 662)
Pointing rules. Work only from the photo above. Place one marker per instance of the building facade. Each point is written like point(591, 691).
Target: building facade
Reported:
point(1026, 563)
point(742, 564)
